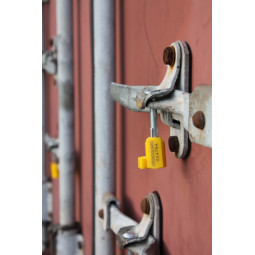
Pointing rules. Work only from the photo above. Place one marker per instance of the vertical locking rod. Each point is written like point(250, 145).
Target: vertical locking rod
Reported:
point(155, 156)
point(44, 176)
point(104, 116)
point(154, 123)
point(66, 238)
point(66, 111)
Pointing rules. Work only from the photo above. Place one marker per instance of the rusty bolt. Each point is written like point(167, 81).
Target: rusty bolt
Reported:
point(79, 245)
point(101, 213)
point(55, 81)
point(199, 119)
point(51, 42)
point(145, 205)
point(173, 144)
point(169, 56)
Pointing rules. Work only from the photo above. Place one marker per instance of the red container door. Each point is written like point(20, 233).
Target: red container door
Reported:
point(145, 28)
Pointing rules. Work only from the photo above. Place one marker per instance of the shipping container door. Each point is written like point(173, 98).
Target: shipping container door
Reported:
point(144, 29)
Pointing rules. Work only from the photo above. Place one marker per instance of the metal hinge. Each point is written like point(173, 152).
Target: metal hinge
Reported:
point(57, 235)
point(76, 246)
point(47, 208)
point(189, 115)
point(49, 59)
point(52, 144)
point(142, 238)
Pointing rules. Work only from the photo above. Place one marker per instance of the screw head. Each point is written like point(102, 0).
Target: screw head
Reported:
point(169, 56)
point(101, 213)
point(199, 120)
point(145, 205)
point(173, 144)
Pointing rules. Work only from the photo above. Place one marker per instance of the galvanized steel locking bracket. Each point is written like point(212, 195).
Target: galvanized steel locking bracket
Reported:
point(52, 144)
point(58, 234)
point(142, 238)
point(49, 60)
point(189, 115)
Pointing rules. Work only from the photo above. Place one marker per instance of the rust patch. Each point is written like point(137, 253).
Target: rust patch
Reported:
point(169, 56)
point(173, 144)
point(101, 213)
point(80, 245)
point(145, 205)
point(51, 42)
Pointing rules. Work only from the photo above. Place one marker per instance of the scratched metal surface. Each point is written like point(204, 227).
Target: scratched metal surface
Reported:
point(145, 28)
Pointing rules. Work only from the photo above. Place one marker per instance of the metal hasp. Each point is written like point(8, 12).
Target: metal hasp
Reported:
point(70, 242)
point(47, 212)
point(49, 59)
point(52, 144)
point(47, 195)
point(187, 114)
point(142, 238)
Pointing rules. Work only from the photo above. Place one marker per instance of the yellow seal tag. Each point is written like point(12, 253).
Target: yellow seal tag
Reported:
point(155, 154)
point(54, 170)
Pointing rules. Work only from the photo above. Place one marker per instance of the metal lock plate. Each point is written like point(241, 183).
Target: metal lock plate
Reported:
point(178, 108)
point(142, 238)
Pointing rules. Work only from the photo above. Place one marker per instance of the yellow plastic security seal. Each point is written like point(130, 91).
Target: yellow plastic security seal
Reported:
point(54, 170)
point(155, 154)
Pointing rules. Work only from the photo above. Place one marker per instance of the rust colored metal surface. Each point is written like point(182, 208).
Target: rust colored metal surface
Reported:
point(144, 29)
point(169, 56)
point(145, 206)
point(51, 97)
point(147, 28)
point(101, 213)
point(83, 114)
point(173, 143)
